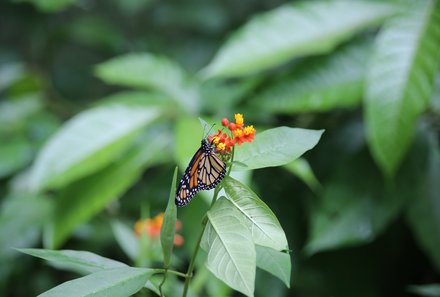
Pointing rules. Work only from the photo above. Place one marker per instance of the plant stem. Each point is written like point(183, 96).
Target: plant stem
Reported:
point(196, 250)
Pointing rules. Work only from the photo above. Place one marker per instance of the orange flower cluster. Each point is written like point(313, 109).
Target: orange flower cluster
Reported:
point(239, 134)
point(151, 227)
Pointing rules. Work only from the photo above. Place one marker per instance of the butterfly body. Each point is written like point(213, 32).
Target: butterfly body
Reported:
point(204, 172)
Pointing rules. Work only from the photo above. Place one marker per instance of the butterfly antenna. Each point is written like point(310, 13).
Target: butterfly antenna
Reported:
point(206, 135)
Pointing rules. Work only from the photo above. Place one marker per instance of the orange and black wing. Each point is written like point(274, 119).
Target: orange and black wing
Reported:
point(189, 184)
point(212, 171)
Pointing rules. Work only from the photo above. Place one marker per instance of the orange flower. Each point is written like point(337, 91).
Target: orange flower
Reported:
point(224, 143)
point(151, 227)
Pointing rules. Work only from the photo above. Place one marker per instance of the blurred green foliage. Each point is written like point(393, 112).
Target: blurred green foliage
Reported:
point(99, 101)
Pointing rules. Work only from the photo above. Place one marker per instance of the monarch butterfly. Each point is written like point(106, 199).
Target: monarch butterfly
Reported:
point(204, 172)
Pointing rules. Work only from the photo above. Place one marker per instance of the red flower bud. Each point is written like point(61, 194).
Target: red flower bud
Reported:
point(232, 126)
point(225, 122)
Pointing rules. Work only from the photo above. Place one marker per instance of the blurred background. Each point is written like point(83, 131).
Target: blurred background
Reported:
point(99, 101)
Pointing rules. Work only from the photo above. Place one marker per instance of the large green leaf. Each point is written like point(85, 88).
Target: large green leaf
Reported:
point(143, 70)
point(291, 31)
point(353, 209)
point(80, 201)
point(14, 155)
point(319, 84)
point(21, 219)
point(168, 228)
point(400, 80)
point(79, 261)
point(231, 251)
point(276, 147)
point(115, 282)
point(262, 222)
point(274, 262)
point(126, 239)
point(423, 212)
point(87, 143)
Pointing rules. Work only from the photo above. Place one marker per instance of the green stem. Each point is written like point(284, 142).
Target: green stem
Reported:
point(196, 250)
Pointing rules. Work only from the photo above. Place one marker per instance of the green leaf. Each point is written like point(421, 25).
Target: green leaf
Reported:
point(319, 84)
point(400, 81)
point(87, 143)
point(262, 222)
point(21, 219)
point(138, 99)
point(126, 239)
point(423, 212)
point(352, 210)
point(231, 251)
point(143, 70)
point(169, 224)
point(80, 201)
point(15, 112)
point(78, 261)
point(275, 262)
point(116, 282)
point(50, 5)
point(431, 290)
point(301, 168)
point(276, 147)
point(291, 31)
point(14, 155)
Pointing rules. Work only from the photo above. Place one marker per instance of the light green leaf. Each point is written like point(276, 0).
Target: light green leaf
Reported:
point(169, 224)
point(84, 198)
point(400, 81)
point(10, 72)
point(431, 290)
point(231, 251)
point(15, 112)
point(301, 168)
point(275, 262)
point(423, 211)
point(116, 282)
point(143, 70)
point(87, 143)
point(319, 84)
point(138, 99)
point(276, 147)
point(262, 222)
point(126, 239)
point(79, 261)
point(290, 31)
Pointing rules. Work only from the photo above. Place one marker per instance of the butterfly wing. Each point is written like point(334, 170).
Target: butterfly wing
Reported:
point(212, 171)
point(189, 184)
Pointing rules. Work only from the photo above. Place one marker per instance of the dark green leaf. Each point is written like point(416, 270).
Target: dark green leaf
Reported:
point(231, 251)
point(423, 212)
point(352, 210)
point(169, 224)
point(274, 262)
point(400, 81)
point(431, 290)
point(319, 84)
point(276, 147)
point(79, 261)
point(291, 31)
point(50, 5)
point(115, 282)
point(261, 221)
